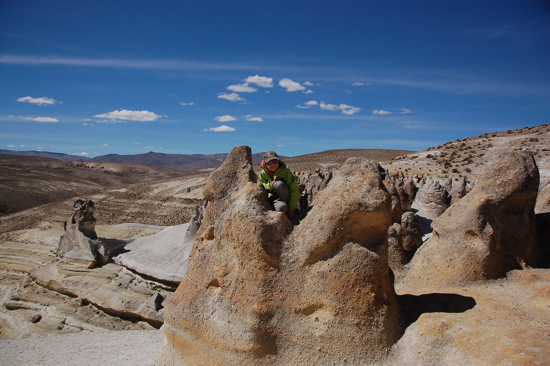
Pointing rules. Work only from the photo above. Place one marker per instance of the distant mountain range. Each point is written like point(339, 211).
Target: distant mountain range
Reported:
point(175, 161)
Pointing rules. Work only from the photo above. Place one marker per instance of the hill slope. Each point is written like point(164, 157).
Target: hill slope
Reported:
point(29, 181)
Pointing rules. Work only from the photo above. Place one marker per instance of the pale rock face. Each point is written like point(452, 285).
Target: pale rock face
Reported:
point(256, 293)
point(80, 240)
point(487, 233)
point(432, 198)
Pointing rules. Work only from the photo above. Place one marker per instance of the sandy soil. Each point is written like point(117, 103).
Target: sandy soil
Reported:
point(131, 348)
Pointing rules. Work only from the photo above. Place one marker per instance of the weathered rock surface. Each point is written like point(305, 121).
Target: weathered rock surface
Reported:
point(543, 200)
point(489, 232)
point(403, 241)
point(255, 295)
point(80, 240)
point(163, 256)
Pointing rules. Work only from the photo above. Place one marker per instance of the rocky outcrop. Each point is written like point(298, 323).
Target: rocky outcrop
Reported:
point(489, 232)
point(80, 240)
point(403, 241)
point(432, 198)
point(257, 294)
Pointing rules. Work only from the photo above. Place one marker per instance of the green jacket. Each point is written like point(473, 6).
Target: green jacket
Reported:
point(283, 173)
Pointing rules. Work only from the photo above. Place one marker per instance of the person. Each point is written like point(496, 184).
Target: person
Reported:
point(280, 183)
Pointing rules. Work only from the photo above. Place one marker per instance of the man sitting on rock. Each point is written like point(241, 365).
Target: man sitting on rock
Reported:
point(280, 183)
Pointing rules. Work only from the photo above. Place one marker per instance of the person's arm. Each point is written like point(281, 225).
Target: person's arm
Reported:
point(265, 179)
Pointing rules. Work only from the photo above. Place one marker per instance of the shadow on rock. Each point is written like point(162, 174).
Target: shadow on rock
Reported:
point(412, 306)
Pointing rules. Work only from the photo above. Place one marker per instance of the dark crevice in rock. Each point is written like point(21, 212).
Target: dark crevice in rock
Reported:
point(412, 306)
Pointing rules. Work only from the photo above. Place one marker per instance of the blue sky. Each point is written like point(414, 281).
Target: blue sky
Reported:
point(199, 77)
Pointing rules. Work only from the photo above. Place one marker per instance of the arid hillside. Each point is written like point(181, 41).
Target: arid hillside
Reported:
point(30, 181)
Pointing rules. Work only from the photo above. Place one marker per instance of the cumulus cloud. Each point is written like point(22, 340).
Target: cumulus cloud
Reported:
point(38, 101)
point(309, 92)
point(290, 85)
point(381, 112)
point(42, 119)
point(233, 97)
point(82, 153)
point(348, 109)
point(344, 108)
point(405, 111)
point(222, 128)
point(261, 81)
point(251, 118)
point(182, 103)
point(225, 118)
point(126, 115)
point(242, 88)
point(309, 104)
point(307, 83)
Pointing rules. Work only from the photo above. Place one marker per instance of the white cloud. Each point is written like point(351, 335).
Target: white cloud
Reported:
point(256, 119)
point(11, 145)
point(38, 101)
point(381, 112)
point(309, 104)
point(346, 109)
point(42, 119)
point(309, 92)
point(233, 97)
point(328, 107)
point(280, 145)
point(123, 114)
point(290, 85)
point(105, 145)
point(182, 103)
point(262, 81)
point(307, 83)
point(225, 118)
point(242, 88)
point(222, 128)
point(405, 111)
point(82, 153)
point(360, 83)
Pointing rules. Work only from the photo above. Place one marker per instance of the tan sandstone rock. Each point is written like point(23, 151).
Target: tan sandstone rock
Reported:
point(487, 233)
point(255, 295)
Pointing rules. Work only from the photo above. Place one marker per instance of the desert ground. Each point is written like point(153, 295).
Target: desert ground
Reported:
point(58, 311)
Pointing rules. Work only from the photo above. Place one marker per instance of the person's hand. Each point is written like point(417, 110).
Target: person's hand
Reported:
point(290, 214)
point(273, 182)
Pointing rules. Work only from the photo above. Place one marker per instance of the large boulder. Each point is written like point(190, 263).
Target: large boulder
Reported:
point(487, 233)
point(260, 291)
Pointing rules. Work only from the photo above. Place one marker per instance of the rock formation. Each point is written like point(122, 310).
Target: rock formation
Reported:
point(403, 241)
point(80, 240)
point(489, 232)
point(256, 293)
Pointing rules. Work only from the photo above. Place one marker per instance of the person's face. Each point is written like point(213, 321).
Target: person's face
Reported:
point(273, 165)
